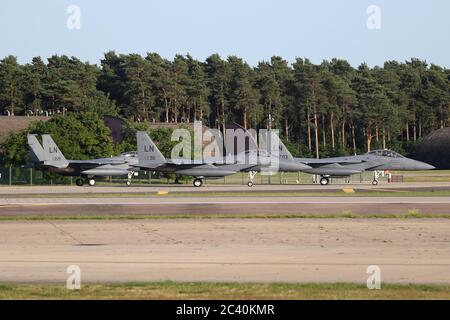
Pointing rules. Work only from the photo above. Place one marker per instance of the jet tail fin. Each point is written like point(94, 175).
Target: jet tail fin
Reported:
point(37, 153)
point(52, 152)
point(271, 142)
point(285, 154)
point(148, 152)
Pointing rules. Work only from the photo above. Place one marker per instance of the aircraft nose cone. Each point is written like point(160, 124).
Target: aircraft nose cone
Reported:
point(424, 166)
point(427, 166)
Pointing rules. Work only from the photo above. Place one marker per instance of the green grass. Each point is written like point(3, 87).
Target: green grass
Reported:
point(249, 193)
point(205, 290)
point(412, 214)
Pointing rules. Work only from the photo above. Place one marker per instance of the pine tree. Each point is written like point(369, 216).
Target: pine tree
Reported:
point(10, 92)
point(218, 75)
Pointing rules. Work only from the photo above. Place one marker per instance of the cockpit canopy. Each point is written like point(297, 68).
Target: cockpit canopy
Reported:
point(385, 153)
point(129, 154)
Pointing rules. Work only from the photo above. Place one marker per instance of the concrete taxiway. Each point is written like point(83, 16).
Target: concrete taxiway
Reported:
point(279, 250)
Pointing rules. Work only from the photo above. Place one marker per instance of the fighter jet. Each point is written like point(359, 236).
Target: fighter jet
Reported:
point(49, 157)
point(150, 158)
point(272, 157)
point(377, 160)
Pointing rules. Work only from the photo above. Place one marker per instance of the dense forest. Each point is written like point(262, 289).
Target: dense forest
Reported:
point(322, 109)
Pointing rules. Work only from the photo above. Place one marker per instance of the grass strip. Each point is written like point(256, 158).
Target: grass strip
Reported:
point(208, 290)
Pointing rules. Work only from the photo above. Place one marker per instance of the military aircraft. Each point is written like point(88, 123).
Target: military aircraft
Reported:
point(272, 157)
point(251, 161)
point(150, 158)
point(377, 160)
point(49, 157)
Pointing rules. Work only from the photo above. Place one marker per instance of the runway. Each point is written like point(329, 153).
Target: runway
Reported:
point(256, 250)
point(13, 191)
point(223, 205)
point(242, 250)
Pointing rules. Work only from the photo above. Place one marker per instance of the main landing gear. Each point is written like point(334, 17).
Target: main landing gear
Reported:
point(197, 182)
point(324, 181)
point(80, 182)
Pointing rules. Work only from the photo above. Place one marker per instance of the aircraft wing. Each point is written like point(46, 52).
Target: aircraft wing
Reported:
point(81, 165)
point(174, 165)
point(329, 161)
point(97, 162)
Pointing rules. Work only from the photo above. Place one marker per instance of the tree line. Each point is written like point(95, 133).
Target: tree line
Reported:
point(322, 109)
point(81, 136)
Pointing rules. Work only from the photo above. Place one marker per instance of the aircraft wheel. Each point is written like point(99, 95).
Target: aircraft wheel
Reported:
point(375, 182)
point(250, 184)
point(198, 183)
point(324, 181)
point(91, 182)
point(79, 182)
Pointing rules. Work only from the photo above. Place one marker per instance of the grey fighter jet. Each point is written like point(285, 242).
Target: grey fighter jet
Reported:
point(150, 158)
point(49, 157)
point(272, 157)
point(377, 160)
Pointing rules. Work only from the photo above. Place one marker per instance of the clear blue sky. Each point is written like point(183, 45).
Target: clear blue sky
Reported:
point(252, 29)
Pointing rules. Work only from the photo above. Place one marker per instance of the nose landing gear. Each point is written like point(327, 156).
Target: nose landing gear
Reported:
point(376, 176)
point(129, 176)
point(251, 176)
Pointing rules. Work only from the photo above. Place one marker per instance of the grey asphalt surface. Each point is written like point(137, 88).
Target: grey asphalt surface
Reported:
point(12, 191)
point(113, 200)
point(273, 205)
